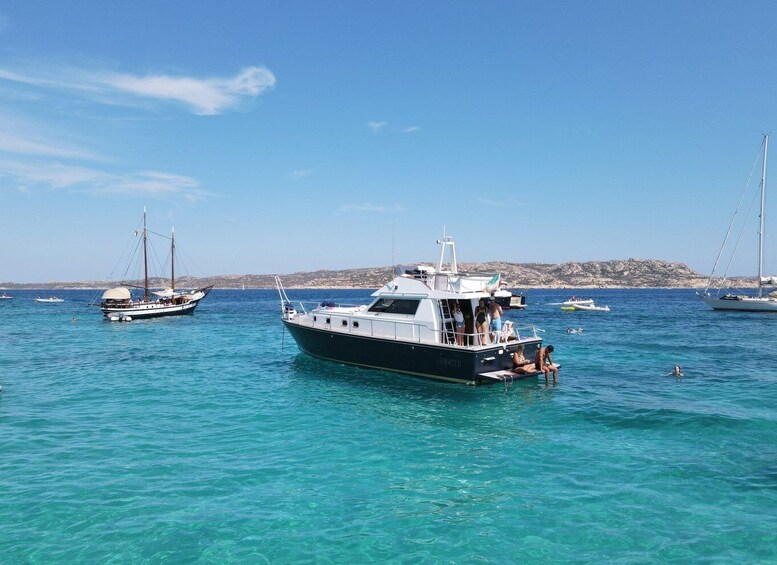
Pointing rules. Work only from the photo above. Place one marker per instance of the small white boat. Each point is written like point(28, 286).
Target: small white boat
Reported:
point(114, 317)
point(50, 300)
point(573, 301)
point(578, 302)
point(591, 308)
point(4, 296)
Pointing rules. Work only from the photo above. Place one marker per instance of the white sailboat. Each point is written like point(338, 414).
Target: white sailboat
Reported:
point(762, 301)
point(117, 303)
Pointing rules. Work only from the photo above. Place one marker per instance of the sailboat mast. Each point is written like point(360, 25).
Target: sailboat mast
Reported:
point(145, 257)
point(172, 261)
point(761, 227)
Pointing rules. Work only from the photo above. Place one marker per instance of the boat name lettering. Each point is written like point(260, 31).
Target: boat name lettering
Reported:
point(449, 362)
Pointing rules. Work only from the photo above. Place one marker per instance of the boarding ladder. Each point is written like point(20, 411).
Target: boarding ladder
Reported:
point(448, 329)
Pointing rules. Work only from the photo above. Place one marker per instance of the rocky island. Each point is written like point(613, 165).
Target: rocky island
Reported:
point(629, 273)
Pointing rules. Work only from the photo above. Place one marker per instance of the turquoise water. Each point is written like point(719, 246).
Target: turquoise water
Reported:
point(210, 439)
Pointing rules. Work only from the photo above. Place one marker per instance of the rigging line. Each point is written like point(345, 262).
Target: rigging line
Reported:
point(739, 237)
point(183, 255)
point(123, 253)
point(731, 224)
point(134, 259)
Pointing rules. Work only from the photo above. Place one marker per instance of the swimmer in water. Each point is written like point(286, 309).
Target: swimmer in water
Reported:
point(676, 372)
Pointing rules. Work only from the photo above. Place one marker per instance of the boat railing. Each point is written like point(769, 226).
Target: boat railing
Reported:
point(401, 330)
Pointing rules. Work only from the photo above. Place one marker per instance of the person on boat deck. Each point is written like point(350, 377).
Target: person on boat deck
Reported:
point(481, 322)
point(496, 321)
point(458, 319)
point(521, 365)
point(544, 363)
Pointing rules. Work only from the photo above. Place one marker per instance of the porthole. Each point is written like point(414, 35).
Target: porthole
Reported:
point(356, 324)
point(345, 322)
point(327, 320)
point(314, 318)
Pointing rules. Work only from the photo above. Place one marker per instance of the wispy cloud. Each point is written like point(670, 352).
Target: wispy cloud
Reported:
point(379, 126)
point(301, 173)
point(500, 203)
point(375, 126)
point(367, 207)
point(14, 143)
point(27, 176)
point(203, 96)
point(3, 23)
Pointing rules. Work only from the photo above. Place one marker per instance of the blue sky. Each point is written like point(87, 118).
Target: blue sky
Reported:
point(288, 136)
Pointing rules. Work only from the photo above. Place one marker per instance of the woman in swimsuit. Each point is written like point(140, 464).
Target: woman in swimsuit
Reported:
point(521, 365)
point(481, 323)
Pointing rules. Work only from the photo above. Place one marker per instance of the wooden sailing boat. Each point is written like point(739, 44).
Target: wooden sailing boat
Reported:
point(117, 303)
point(761, 302)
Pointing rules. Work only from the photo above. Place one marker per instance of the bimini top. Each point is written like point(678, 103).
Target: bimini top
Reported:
point(118, 293)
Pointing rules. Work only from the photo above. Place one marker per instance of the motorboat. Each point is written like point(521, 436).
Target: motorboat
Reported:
point(51, 300)
point(408, 327)
point(590, 308)
point(573, 301)
point(4, 296)
point(763, 301)
point(118, 301)
point(510, 300)
point(582, 305)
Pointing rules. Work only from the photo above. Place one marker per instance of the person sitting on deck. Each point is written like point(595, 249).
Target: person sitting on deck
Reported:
point(544, 363)
point(521, 365)
point(507, 331)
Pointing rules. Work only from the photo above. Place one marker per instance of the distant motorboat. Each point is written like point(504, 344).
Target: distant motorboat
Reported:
point(591, 308)
point(578, 302)
point(582, 304)
point(573, 301)
point(509, 300)
point(50, 300)
point(4, 296)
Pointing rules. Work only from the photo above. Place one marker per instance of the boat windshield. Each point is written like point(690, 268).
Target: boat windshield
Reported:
point(395, 306)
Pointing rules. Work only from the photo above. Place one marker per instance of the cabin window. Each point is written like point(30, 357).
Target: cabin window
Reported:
point(395, 306)
point(314, 318)
point(327, 320)
point(356, 324)
point(345, 322)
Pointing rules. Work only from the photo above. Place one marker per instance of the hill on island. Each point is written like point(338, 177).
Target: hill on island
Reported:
point(629, 273)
